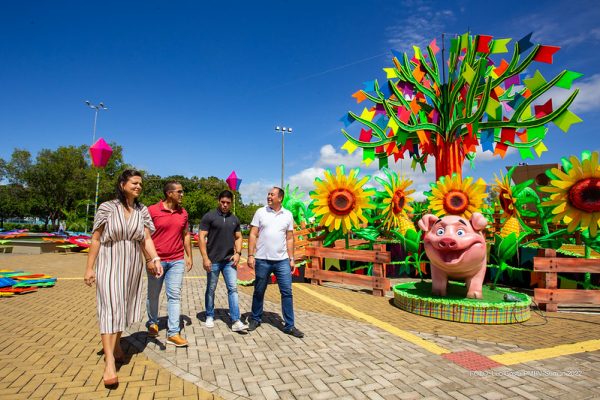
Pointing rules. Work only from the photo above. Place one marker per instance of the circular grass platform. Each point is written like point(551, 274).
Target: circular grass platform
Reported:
point(416, 298)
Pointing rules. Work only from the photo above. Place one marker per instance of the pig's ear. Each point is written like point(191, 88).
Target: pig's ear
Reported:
point(478, 221)
point(426, 222)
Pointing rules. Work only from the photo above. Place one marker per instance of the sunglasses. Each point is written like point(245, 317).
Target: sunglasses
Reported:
point(177, 191)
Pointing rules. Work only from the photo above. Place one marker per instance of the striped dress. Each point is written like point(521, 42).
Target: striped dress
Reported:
point(120, 265)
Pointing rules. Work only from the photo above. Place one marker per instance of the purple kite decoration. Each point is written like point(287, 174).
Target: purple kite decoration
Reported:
point(100, 153)
point(233, 181)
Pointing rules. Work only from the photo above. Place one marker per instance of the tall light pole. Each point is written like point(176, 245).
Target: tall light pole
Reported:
point(283, 131)
point(96, 109)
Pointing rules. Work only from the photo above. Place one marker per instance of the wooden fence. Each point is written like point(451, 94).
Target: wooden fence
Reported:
point(550, 296)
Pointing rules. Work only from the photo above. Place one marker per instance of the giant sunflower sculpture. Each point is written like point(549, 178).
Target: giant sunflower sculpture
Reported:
point(456, 196)
point(508, 203)
point(575, 193)
point(393, 201)
point(339, 200)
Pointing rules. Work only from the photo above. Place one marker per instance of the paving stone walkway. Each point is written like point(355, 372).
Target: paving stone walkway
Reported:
point(50, 348)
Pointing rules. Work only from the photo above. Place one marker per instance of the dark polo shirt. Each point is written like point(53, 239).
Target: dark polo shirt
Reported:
point(221, 230)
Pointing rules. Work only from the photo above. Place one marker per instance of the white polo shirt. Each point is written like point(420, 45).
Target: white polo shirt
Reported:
point(272, 233)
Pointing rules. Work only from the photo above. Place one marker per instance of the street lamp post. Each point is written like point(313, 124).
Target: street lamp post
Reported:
point(96, 109)
point(283, 131)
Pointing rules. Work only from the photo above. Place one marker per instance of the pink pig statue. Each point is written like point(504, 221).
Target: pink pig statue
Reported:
point(456, 249)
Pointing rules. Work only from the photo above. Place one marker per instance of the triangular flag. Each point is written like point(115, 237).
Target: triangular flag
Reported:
point(434, 47)
point(537, 132)
point(349, 147)
point(368, 156)
point(525, 43)
point(365, 135)
point(499, 46)
point(567, 79)
point(390, 73)
point(369, 86)
point(535, 82)
point(367, 115)
point(383, 162)
point(545, 53)
point(526, 153)
point(483, 43)
point(487, 140)
point(417, 51)
point(501, 149)
point(508, 135)
point(347, 119)
point(468, 74)
point(565, 120)
point(544, 109)
point(360, 96)
point(499, 70)
point(540, 148)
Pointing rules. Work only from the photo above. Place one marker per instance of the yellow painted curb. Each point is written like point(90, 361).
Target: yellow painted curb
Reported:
point(409, 337)
point(186, 277)
point(548, 352)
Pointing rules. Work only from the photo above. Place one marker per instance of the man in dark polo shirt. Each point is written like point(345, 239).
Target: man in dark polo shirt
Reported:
point(221, 254)
point(171, 240)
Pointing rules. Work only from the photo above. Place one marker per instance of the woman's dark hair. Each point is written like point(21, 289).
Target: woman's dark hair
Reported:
point(123, 178)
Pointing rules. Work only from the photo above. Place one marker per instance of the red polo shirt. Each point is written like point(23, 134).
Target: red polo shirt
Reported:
point(168, 237)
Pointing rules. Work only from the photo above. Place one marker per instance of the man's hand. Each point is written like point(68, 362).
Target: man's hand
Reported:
point(251, 261)
point(235, 258)
point(155, 268)
point(189, 264)
point(207, 265)
point(292, 265)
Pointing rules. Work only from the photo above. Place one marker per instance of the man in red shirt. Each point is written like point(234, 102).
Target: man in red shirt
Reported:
point(171, 240)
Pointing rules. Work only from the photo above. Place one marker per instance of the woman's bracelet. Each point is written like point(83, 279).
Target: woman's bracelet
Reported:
point(155, 259)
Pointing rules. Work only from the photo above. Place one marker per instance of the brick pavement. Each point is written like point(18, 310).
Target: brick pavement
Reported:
point(49, 341)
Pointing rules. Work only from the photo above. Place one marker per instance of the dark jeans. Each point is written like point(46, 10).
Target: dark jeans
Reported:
point(283, 273)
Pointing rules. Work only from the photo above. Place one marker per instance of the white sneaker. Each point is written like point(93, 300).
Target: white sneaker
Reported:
point(210, 322)
point(239, 326)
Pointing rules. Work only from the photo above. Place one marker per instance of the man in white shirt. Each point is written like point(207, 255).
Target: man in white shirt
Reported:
point(271, 250)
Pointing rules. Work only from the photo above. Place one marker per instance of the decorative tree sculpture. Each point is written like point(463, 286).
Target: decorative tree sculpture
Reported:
point(421, 110)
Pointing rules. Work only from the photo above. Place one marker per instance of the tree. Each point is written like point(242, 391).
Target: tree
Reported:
point(427, 113)
point(13, 202)
point(54, 182)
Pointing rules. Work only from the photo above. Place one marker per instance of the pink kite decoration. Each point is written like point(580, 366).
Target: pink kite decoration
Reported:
point(100, 153)
point(233, 181)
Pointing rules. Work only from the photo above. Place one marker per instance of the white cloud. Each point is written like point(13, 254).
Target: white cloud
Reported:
point(407, 32)
point(256, 192)
point(588, 98)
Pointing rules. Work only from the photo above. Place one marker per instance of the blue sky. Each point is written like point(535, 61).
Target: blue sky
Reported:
point(197, 89)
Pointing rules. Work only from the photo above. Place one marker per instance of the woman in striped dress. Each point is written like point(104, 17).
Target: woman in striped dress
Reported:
point(122, 229)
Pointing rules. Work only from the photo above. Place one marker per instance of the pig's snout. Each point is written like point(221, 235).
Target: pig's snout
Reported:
point(447, 243)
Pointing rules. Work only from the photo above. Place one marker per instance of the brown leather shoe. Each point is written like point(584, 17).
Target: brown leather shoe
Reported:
point(153, 330)
point(177, 341)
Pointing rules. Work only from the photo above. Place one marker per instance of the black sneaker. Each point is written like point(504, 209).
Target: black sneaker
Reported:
point(295, 332)
point(253, 325)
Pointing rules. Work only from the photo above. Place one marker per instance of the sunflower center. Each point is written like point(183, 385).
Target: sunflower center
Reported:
point(506, 202)
point(456, 202)
point(585, 195)
point(341, 202)
point(398, 202)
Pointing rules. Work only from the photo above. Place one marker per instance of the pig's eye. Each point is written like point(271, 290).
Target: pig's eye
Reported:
point(439, 232)
point(460, 232)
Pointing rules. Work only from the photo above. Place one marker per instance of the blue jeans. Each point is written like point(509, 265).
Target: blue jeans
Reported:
point(173, 278)
point(212, 278)
point(283, 273)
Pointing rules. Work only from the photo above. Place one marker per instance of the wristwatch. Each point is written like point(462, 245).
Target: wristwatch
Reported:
point(238, 253)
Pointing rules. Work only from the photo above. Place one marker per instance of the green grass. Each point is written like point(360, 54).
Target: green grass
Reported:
point(457, 293)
